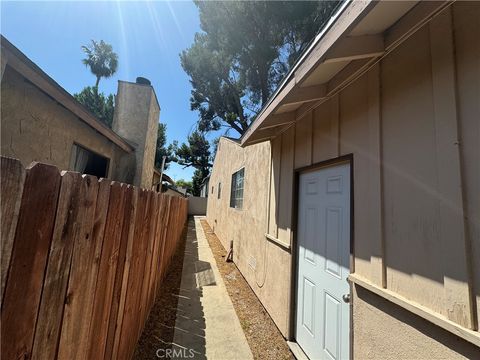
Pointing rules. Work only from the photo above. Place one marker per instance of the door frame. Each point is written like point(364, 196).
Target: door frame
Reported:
point(344, 159)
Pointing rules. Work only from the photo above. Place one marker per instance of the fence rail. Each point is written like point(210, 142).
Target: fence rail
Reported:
point(82, 261)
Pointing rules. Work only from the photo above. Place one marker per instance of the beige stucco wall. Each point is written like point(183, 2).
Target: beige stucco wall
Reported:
point(263, 264)
point(34, 127)
point(197, 205)
point(386, 331)
point(136, 119)
point(412, 125)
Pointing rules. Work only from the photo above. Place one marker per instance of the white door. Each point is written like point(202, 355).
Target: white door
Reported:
point(323, 236)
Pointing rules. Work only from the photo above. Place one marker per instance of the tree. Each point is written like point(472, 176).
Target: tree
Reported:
point(162, 149)
point(98, 104)
point(196, 154)
point(197, 180)
point(244, 51)
point(101, 59)
point(184, 184)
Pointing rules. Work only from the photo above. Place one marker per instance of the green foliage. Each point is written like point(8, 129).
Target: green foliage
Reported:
point(184, 184)
point(99, 104)
point(162, 149)
point(196, 154)
point(197, 180)
point(101, 59)
point(244, 51)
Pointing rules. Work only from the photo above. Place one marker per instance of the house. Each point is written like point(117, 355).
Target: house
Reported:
point(353, 200)
point(156, 179)
point(40, 121)
point(204, 187)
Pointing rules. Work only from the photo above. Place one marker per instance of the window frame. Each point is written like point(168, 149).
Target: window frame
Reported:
point(237, 188)
point(73, 155)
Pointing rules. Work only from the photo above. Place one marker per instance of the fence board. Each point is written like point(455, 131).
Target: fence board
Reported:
point(120, 272)
point(164, 236)
point(28, 261)
point(11, 184)
point(87, 261)
point(143, 256)
point(148, 260)
point(156, 252)
point(126, 275)
point(77, 309)
point(134, 283)
point(107, 269)
point(65, 232)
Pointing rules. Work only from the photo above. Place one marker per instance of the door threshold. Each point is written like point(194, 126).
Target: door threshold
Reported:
point(297, 351)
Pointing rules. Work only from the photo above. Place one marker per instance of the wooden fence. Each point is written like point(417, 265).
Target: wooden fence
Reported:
point(82, 262)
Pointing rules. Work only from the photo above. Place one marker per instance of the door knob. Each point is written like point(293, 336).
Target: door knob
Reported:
point(346, 298)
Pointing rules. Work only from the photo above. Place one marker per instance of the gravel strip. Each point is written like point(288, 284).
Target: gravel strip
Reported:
point(160, 326)
point(263, 336)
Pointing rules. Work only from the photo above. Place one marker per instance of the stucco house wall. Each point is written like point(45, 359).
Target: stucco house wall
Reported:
point(263, 264)
point(34, 127)
point(412, 125)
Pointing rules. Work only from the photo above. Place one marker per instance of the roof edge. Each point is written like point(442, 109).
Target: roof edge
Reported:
point(17, 60)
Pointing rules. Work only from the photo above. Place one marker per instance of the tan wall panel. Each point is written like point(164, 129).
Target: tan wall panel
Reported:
point(450, 204)
point(286, 186)
point(355, 139)
point(303, 142)
point(414, 258)
point(325, 131)
point(275, 181)
point(466, 23)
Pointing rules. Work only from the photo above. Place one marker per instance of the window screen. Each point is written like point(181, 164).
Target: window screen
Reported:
point(236, 195)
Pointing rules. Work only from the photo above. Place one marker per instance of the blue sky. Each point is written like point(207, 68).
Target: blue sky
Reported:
point(148, 37)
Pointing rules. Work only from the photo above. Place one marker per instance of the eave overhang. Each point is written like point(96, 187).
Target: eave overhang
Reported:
point(357, 37)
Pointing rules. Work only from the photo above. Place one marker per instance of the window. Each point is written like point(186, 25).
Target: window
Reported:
point(236, 195)
point(212, 189)
point(87, 162)
point(219, 193)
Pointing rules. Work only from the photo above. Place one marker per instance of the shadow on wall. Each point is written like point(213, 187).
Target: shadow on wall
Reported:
point(407, 238)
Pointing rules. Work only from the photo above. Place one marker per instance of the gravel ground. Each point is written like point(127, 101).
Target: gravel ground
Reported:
point(160, 326)
point(263, 336)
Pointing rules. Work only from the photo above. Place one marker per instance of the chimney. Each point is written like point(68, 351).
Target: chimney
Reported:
point(136, 119)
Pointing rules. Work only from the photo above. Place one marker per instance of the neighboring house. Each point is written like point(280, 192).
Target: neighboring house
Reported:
point(156, 179)
point(204, 187)
point(183, 190)
point(353, 200)
point(42, 122)
point(173, 191)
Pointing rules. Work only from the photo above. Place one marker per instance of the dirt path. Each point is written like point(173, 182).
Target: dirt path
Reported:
point(263, 337)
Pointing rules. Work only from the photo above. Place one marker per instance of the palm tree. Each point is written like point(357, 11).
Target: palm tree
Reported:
point(101, 59)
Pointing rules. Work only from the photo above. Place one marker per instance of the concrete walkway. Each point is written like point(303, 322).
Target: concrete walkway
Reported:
point(206, 326)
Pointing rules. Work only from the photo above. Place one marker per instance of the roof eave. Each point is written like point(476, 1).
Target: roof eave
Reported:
point(28, 69)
